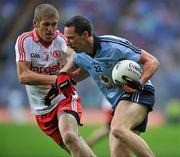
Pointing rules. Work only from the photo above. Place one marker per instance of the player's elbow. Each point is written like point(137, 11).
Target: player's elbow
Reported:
point(23, 79)
point(156, 63)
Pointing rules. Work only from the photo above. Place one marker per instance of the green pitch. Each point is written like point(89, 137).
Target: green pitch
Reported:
point(29, 141)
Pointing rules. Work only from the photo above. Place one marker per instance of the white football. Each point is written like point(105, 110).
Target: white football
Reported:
point(128, 68)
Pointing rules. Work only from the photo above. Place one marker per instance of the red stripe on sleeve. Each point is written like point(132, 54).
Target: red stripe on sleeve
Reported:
point(61, 35)
point(22, 54)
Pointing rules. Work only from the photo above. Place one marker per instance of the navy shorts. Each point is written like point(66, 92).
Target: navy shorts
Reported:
point(146, 97)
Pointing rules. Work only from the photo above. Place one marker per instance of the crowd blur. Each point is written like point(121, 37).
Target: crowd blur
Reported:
point(152, 25)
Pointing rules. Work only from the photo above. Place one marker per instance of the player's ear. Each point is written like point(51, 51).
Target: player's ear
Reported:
point(85, 34)
point(35, 23)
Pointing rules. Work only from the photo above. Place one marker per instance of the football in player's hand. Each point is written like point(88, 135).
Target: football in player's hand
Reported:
point(128, 68)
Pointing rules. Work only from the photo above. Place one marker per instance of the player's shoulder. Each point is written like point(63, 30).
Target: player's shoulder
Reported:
point(24, 39)
point(60, 37)
point(110, 42)
point(25, 34)
point(111, 38)
point(116, 42)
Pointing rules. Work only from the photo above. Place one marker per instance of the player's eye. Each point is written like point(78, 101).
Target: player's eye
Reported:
point(46, 24)
point(50, 24)
point(70, 38)
point(54, 24)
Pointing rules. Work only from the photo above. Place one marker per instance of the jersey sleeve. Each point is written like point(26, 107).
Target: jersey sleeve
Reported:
point(22, 49)
point(77, 59)
point(128, 51)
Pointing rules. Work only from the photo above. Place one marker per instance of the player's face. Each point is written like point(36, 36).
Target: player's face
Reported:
point(75, 41)
point(46, 28)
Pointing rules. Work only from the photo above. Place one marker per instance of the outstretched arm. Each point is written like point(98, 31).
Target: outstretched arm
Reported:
point(27, 76)
point(73, 69)
point(70, 66)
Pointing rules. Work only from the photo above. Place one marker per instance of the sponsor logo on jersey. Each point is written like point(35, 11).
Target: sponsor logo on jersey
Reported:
point(49, 70)
point(98, 68)
point(35, 55)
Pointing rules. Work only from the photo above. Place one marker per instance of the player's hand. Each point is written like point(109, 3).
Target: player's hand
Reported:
point(65, 84)
point(136, 85)
point(128, 89)
point(52, 93)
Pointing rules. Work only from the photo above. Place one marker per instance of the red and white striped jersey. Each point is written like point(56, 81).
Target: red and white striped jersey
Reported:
point(46, 59)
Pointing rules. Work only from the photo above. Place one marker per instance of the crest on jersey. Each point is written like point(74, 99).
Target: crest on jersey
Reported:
point(104, 79)
point(56, 54)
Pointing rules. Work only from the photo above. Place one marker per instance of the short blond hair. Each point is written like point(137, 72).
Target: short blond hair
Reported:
point(45, 10)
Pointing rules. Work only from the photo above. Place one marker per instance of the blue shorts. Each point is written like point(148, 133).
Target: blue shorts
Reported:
point(146, 97)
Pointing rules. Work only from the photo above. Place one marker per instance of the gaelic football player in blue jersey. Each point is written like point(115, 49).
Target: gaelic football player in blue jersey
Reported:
point(96, 56)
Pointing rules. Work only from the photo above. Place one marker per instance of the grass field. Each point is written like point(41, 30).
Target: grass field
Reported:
point(28, 141)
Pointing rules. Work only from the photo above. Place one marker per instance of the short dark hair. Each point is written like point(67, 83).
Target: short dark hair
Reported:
point(81, 24)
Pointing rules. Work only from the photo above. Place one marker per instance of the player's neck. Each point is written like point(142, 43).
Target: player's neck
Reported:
point(90, 46)
point(45, 44)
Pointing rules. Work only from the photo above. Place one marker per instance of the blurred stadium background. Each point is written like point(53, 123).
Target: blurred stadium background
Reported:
point(153, 25)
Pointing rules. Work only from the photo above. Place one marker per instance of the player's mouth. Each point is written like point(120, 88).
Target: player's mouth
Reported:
point(49, 35)
point(74, 48)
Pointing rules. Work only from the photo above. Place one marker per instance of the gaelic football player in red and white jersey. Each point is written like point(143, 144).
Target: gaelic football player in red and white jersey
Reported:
point(40, 54)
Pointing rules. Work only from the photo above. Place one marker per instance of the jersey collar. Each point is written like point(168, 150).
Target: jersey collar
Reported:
point(97, 45)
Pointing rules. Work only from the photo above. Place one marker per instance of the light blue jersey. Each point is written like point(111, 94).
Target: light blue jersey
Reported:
point(109, 50)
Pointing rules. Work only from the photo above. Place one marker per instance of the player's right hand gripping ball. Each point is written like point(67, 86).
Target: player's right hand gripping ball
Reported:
point(127, 72)
point(65, 85)
point(132, 83)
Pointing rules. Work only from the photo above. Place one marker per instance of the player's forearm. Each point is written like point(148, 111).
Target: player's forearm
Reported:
point(79, 75)
point(32, 78)
point(149, 69)
point(70, 66)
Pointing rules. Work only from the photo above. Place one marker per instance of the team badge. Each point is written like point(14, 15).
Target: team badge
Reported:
point(56, 54)
point(104, 79)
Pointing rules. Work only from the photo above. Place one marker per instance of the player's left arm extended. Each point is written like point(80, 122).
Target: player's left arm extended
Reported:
point(150, 63)
point(64, 83)
point(74, 71)
point(66, 79)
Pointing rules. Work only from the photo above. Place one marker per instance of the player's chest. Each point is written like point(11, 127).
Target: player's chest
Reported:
point(45, 56)
point(101, 71)
point(97, 65)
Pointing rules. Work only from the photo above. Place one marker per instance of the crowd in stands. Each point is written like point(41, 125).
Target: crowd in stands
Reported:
point(152, 25)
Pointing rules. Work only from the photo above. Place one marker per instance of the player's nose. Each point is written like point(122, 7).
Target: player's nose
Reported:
point(68, 43)
point(50, 28)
